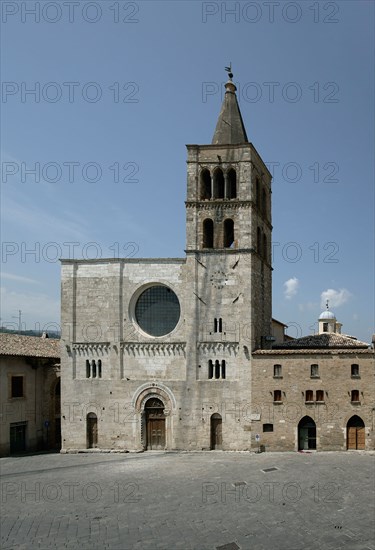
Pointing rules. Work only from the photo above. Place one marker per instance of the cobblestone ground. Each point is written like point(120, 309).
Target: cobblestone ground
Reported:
point(171, 501)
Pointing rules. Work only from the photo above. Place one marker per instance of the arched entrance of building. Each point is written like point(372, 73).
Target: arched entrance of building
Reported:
point(355, 433)
point(155, 424)
point(92, 430)
point(306, 434)
point(216, 432)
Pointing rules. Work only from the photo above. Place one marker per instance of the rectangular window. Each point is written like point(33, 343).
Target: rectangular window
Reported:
point(267, 427)
point(355, 396)
point(277, 371)
point(309, 396)
point(320, 395)
point(17, 389)
point(314, 371)
point(277, 396)
point(325, 327)
point(355, 371)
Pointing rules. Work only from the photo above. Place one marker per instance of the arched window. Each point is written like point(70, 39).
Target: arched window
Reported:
point(257, 193)
point(231, 184)
point(208, 233)
point(93, 366)
point(259, 242)
point(210, 370)
point(218, 325)
point(205, 184)
point(264, 203)
point(264, 247)
point(217, 369)
point(99, 368)
point(88, 369)
point(223, 369)
point(228, 233)
point(218, 184)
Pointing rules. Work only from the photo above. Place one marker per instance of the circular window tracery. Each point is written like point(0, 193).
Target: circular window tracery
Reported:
point(157, 310)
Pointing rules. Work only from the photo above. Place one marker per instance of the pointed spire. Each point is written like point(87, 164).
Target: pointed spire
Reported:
point(230, 129)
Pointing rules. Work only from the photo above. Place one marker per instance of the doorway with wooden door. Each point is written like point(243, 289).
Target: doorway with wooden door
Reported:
point(355, 434)
point(216, 432)
point(155, 424)
point(92, 430)
point(306, 434)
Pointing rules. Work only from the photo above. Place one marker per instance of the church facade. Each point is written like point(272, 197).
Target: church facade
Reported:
point(162, 353)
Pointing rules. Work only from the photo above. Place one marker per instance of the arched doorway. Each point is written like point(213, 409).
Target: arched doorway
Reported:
point(355, 433)
point(155, 424)
point(216, 432)
point(306, 434)
point(92, 430)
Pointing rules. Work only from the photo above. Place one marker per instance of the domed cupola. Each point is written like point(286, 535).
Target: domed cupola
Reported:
point(327, 321)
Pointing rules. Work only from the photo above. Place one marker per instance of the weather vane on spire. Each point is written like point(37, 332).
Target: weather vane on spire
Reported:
point(229, 70)
point(327, 302)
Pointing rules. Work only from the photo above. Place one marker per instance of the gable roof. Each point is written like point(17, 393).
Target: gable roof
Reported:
point(29, 346)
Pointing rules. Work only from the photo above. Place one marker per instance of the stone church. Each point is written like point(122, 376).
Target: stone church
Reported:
point(173, 353)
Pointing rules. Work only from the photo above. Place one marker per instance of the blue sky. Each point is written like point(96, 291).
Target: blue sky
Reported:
point(121, 87)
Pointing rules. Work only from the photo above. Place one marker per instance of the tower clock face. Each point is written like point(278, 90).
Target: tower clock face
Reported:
point(218, 279)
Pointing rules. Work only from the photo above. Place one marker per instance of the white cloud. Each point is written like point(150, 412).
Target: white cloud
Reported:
point(335, 298)
point(309, 306)
point(19, 278)
point(291, 287)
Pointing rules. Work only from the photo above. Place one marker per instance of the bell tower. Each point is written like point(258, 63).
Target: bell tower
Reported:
point(228, 230)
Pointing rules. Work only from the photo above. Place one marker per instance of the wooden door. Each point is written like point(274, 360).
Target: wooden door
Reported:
point(156, 434)
point(92, 431)
point(355, 433)
point(352, 437)
point(356, 438)
point(216, 433)
point(17, 437)
point(360, 439)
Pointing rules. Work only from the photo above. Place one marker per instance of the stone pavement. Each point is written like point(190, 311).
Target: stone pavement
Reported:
point(178, 500)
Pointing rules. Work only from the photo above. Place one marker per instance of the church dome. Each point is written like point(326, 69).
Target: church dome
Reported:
point(327, 315)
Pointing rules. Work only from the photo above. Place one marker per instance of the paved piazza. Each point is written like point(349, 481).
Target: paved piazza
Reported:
point(178, 500)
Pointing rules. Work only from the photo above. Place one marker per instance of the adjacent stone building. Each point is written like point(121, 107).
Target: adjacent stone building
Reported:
point(169, 353)
point(315, 392)
point(29, 394)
